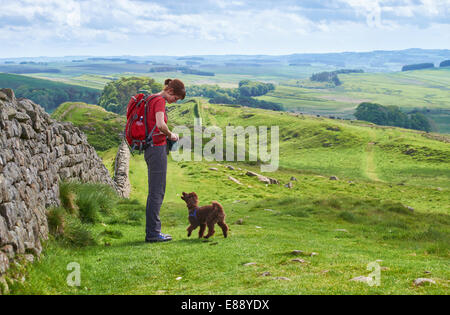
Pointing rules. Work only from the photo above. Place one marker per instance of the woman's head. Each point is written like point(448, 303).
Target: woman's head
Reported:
point(174, 90)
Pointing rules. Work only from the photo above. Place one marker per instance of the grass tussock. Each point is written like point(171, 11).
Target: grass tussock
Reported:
point(85, 204)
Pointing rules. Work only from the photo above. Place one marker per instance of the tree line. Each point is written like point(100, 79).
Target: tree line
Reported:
point(332, 77)
point(392, 116)
point(183, 69)
point(243, 95)
point(116, 94)
point(428, 65)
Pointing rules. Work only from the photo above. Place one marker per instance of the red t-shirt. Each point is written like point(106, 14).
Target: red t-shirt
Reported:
point(158, 104)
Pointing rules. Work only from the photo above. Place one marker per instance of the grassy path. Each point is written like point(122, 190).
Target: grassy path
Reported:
point(370, 168)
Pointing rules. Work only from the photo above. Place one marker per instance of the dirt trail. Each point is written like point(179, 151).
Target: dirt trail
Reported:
point(370, 161)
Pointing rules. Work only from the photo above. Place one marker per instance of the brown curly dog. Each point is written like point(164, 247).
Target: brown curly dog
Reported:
point(204, 216)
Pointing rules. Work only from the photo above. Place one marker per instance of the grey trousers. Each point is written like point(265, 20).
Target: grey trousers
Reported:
point(156, 158)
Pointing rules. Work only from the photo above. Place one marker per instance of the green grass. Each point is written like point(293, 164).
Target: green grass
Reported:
point(103, 129)
point(304, 218)
point(382, 172)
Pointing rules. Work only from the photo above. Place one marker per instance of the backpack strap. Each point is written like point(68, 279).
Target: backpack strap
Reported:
point(148, 137)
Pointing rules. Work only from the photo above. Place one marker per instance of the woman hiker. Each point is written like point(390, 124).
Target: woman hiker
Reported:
point(156, 156)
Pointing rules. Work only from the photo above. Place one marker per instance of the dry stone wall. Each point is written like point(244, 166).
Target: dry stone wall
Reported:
point(121, 170)
point(36, 152)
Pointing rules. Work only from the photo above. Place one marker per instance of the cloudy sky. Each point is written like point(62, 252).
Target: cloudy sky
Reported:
point(186, 27)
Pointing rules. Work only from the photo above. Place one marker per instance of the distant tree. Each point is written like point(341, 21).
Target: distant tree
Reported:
point(119, 92)
point(420, 122)
point(330, 77)
point(371, 112)
point(240, 96)
point(391, 116)
point(419, 66)
point(445, 63)
point(249, 88)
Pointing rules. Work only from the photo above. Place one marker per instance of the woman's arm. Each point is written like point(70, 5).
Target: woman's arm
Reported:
point(162, 126)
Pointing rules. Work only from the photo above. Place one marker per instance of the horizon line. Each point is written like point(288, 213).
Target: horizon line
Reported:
point(214, 55)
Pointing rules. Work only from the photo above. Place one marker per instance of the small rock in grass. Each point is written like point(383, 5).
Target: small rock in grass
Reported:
point(265, 274)
point(427, 272)
point(341, 230)
point(334, 178)
point(230, 167)
point(239, 222)
point(314, 254)
point(293, 179)
point(423, 281)
point(179, 278)
point(269, 210)
point(289, 185)
point(213, 169)
point(258, 227)
point(234, 180)
point(250, 264)
point(363, 279)
point(324, 272)
point(299, 260)
point(410, 209)
point(297, 252)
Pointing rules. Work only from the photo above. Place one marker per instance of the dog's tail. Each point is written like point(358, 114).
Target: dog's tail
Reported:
point(219, 209)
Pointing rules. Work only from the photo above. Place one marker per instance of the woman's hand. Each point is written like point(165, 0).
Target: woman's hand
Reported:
point(173, 136)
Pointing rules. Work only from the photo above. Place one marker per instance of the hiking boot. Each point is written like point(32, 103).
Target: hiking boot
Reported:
point(160, 238)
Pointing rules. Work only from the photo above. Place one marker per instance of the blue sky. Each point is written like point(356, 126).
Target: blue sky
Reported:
point(172, 27)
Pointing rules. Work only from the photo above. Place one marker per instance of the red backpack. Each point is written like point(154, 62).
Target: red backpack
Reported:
point(136, 129)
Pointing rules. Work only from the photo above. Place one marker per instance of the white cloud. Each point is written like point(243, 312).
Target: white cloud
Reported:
point(86, 23)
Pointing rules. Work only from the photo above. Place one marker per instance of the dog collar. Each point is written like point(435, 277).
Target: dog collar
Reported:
point(194, 213)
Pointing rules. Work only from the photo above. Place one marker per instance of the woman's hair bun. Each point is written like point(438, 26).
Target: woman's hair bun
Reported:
point(176, 87)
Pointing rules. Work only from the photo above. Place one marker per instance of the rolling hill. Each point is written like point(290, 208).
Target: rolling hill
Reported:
point(388, 204)
point(103, 129)
point(427, 90)
point(49, 94)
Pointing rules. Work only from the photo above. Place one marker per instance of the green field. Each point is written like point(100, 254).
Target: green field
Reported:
point(428, 89)
point(359, 219)
point(423, 89)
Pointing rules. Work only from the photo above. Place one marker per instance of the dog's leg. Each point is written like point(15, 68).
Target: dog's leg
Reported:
point(190, 229)
point(224, 227)
point(210, 230)
point(202, 230)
